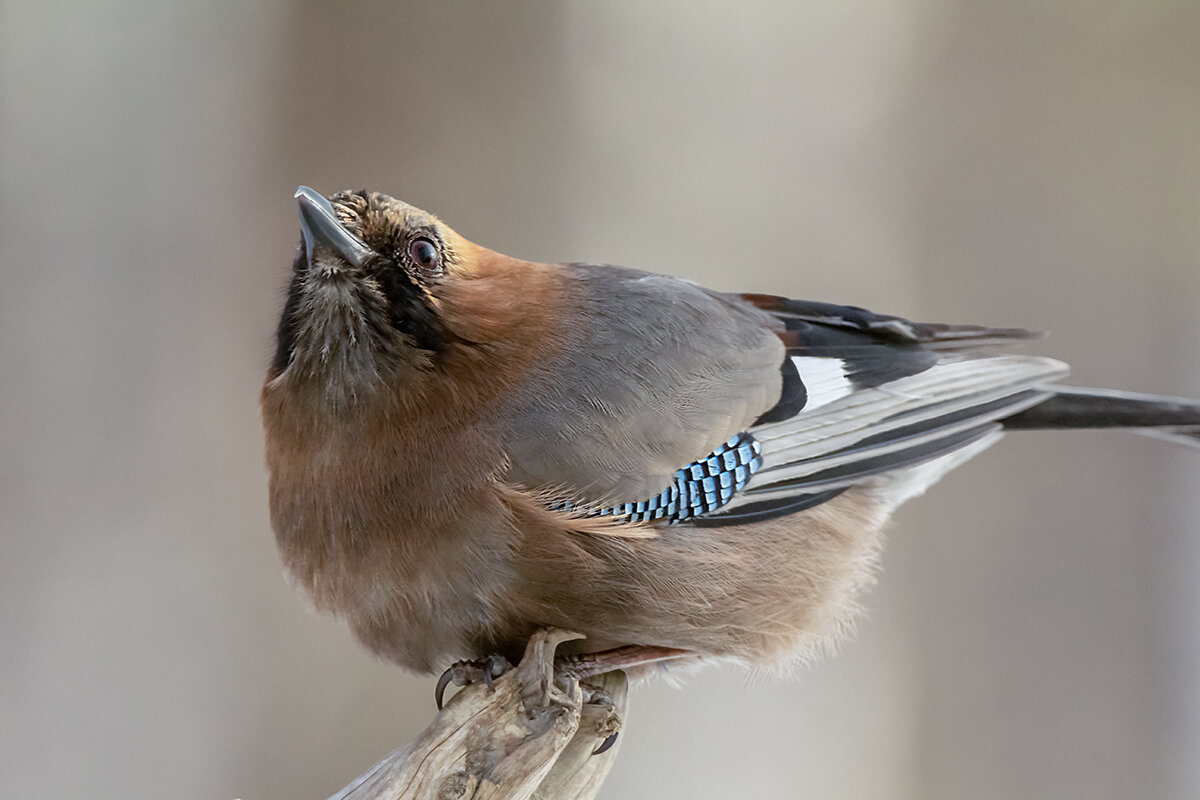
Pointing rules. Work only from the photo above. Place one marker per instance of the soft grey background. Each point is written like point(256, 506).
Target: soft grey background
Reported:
point(1036, 629)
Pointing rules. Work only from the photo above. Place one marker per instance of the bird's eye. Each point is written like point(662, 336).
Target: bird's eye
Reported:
point(424, 255)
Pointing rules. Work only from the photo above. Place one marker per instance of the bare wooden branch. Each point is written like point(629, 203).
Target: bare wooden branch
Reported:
point(532, 737)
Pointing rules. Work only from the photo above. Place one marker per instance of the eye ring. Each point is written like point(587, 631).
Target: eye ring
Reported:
point(424, 255)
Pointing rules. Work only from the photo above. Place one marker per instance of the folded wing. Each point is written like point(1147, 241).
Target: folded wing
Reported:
point(710, 409)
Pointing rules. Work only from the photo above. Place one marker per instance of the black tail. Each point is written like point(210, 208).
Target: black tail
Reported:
point(1166, 417)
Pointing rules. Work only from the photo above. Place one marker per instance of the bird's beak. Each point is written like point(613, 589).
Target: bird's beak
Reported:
point(322, 229)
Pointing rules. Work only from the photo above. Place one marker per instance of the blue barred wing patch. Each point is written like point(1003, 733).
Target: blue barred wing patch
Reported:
point(702, 486)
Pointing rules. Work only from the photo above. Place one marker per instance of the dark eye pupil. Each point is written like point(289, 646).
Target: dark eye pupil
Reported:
point(423, 253)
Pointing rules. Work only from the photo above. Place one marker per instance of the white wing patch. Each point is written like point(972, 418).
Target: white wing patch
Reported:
point(824, 380)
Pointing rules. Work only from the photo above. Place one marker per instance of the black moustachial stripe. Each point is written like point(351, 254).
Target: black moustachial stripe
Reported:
point(410, 309)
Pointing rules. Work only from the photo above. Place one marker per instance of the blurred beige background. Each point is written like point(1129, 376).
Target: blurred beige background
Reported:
point(1036, 629)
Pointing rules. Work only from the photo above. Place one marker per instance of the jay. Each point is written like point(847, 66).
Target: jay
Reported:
point(465, 447)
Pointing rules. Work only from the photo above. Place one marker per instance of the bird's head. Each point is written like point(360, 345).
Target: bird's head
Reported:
point(385, 296)
point(362, 302)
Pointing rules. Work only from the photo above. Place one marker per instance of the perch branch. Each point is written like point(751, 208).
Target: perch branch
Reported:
point(532, 737)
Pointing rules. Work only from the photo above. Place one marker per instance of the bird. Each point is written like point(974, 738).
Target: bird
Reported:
point(465, 447)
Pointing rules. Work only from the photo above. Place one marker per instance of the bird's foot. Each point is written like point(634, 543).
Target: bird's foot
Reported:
point(599, 707)
point(465, 673)
point(547, 680)
point(600, 711)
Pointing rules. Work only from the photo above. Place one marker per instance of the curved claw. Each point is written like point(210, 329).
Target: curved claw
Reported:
point(493, 667)
point(487, 678)
point(465, 673)
point(607, 744)
point(442, 683)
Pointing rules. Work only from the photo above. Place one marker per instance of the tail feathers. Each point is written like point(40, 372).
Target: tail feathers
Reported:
point(1173, 418)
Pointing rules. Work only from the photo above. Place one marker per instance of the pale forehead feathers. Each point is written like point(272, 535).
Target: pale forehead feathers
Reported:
point(378, 218)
